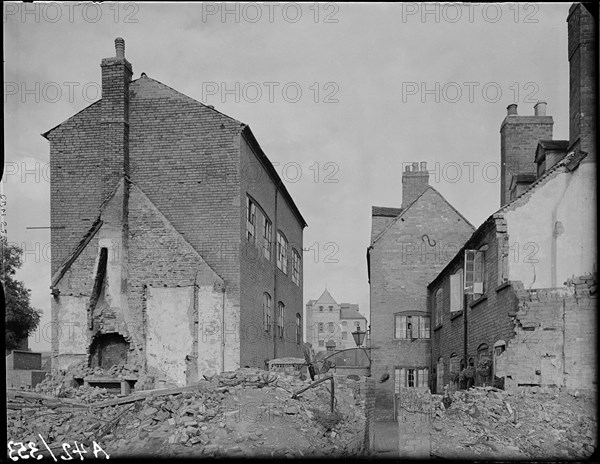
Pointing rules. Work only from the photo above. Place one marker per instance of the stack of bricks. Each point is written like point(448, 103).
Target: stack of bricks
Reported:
point(414, 427)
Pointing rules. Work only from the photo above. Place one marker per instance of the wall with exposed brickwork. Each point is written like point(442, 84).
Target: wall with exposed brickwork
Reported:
point(554, 338)
point(259, 274)
point(488, 318)
point(402, 262)
point(519, 136)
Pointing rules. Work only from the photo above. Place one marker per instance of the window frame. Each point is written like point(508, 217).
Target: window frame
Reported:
point(267, 312)
point(267, 237)
point(296, 267)
point(250, 219)
point(420, 377)
point(298, 328)
point(280, 318)
point(438, 306)
point(423, 327)
point(282, 257)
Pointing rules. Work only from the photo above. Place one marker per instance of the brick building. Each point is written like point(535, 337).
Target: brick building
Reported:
point(329, 325)
point(175, 244)
point(533, 320)
point(409, 247)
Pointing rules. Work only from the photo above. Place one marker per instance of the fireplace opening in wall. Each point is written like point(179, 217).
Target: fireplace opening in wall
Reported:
point(108, 350)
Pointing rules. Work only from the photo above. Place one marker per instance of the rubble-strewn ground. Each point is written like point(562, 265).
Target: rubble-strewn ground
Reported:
point(484, 423)
point(249, 412)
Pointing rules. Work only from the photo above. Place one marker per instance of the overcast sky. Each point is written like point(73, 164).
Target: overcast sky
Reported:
point(339, 95)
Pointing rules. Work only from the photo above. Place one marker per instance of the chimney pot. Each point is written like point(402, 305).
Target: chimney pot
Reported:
point(511, 110)
point(540, 108)
point(406, 168)
point(120, 47)
point(415, 167)
point(423, 165)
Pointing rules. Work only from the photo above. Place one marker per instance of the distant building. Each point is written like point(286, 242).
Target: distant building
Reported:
point(329, 325)
point(409, 247)
point(175, 244)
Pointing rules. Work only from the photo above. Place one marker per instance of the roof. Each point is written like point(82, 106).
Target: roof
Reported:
point(569, 163)
point(404, 210)
point(326, 299)
point(246, 132)
point(351, 312)
point(554, 144)
point(385, 211)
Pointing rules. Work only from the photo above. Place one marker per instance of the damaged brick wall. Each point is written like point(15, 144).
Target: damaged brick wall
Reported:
point(554, 337)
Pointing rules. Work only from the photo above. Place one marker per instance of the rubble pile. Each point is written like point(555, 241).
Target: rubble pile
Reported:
point(249, 412)
point(529, 423)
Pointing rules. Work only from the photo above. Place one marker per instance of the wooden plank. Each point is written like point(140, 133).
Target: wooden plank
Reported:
point(146, 394)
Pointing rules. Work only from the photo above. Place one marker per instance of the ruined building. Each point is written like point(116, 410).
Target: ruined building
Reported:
point(409, 247)
point(533, 322)
point(183, 246)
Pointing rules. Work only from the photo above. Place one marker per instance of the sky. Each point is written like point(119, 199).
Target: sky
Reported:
point(340, 97)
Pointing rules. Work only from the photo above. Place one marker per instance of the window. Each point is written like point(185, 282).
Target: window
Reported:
point(331, 308)
point(410, 377)
point(280, 308)
point(282, 252)
point(475, 271)
point(267, 312)
point(409, 327)
point(296, 268)
point(321, 327)
point(320, 308)
point(321, 342)
point(439, 306)
point(330, 327)
point(250, 220)
point(456, 291)
point(344, 335)
point(298, 328)
point(267, 236)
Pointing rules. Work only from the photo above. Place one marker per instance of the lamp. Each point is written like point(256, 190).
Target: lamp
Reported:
point(358, 336)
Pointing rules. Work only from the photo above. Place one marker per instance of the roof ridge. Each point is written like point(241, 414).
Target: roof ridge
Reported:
point(411, 204)
point(210, 107)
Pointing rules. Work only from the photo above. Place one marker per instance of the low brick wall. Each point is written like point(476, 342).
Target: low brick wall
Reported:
point(363, 391)
point(414, 427)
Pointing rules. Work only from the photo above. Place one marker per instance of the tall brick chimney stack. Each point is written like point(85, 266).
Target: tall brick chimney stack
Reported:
point(519, 137)
point(415, 180)
point(116, 76)
point(583, 90)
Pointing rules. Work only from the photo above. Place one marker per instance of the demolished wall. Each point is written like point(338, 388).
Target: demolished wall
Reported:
point(554, 342)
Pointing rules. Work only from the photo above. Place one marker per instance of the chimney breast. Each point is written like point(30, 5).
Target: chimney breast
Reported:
point(540, 108)
point(120, 47)
point(511, 110)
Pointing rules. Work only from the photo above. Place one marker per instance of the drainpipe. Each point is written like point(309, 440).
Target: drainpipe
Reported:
point(223, 330)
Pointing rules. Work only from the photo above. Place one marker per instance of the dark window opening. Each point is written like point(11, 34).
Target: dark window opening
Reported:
point(108, 350)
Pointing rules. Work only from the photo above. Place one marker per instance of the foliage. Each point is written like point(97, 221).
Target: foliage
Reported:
point(484, 368)
point(467, 373)
point(20, 318)
point(455, 376)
